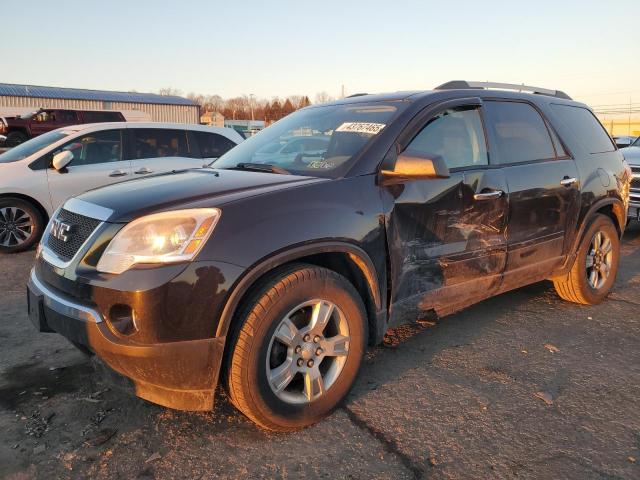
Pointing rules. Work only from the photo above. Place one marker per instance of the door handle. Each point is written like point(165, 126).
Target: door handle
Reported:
point(143, 170)
point(118, 173)
point(488, 195)
point(566, 181)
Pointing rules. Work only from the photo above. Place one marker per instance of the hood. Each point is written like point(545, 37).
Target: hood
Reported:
point(631, 155)
point(194, 188)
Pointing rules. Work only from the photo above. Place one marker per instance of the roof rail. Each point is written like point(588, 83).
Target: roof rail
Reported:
point(356, 95)
point(463, 84)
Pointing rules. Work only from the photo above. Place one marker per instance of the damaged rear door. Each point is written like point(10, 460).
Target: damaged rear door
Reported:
point(446, 236)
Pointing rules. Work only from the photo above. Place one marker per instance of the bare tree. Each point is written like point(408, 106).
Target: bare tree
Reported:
point(197, 98)
point(170, 91)
point(323, 97)
point(213, 103)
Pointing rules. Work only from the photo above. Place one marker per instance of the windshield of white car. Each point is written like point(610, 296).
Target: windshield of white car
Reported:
point(636, 143)
point(32, 146)
point(318, 141)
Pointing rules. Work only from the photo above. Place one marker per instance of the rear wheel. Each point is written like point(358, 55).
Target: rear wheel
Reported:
point(297, 349)
point(594, 270)
point(21, 225)
point(15, 138)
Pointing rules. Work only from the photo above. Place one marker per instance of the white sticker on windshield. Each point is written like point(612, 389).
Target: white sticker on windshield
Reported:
point(361, 127)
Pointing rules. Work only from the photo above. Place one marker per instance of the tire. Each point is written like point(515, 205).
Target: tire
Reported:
point(21, 225)
point(15, 138)
point(290, 297)
point(578, 285)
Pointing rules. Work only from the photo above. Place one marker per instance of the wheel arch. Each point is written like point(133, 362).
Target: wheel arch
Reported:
point(33, 201)
point(344, 258)
point(23, 130)
point(612, 208)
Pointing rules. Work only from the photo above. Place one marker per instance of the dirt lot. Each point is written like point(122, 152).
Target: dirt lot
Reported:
point(456, 399)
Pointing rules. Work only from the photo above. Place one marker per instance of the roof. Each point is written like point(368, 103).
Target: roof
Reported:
point(13, 90)
point(92, 127)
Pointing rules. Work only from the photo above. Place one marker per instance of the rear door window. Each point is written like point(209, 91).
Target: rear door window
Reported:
point(157, 143)
point(97, 117)
point(66, 117)
point(585, 127)
point(212, 145)
point(521, 134)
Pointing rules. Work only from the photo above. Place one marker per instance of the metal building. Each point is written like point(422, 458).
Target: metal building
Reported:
point(160, 108)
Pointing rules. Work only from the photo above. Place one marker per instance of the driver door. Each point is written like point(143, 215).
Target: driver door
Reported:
point(97, 161)
point(447, 236)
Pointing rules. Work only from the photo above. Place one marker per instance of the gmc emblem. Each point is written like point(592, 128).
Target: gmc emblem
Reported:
point(60, 230)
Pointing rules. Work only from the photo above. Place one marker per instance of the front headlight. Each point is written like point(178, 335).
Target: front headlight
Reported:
point(161, 238)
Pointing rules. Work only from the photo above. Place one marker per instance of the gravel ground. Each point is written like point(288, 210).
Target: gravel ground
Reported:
point(522, 385)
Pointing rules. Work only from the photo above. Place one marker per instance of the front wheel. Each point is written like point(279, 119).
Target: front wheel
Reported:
point(297, 348)
point(15, 138)
point(594, 271)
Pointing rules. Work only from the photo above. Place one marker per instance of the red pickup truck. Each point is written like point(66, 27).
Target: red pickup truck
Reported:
point(21, 128)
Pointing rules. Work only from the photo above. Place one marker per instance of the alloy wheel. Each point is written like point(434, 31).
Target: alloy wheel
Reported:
point(16, 226)
point(307, 351)
point(599, 260)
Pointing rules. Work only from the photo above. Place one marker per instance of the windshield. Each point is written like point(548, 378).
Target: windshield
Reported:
point(636, 143)
point(317, 141)
point(32, 146)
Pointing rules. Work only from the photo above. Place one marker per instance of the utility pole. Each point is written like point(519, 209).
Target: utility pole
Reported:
point(629, 126)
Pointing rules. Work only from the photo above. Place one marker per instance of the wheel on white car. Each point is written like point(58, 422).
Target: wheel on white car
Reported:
point(21, 225)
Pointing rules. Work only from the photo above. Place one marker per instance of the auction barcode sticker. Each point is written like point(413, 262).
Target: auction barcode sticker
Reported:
point(361, 127)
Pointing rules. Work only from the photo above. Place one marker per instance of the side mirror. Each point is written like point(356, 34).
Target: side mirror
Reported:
point(62, 159)
point(411, 164)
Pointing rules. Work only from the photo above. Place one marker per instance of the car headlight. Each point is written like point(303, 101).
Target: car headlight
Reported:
point(160, 238)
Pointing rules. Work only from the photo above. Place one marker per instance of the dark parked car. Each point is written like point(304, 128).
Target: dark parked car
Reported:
point(632, 156)
point(277, 276)
point(21, 128)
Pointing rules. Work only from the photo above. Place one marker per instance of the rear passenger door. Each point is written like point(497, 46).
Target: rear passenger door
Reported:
point(158, 150)
point(543, 185)
point(447, 238)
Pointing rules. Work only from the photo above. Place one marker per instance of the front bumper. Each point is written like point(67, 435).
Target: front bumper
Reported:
point(181, 374)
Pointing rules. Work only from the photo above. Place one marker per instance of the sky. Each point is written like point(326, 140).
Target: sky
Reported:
point(590, 49)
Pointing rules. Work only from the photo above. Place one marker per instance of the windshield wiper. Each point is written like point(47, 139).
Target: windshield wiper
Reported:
point(262, 167)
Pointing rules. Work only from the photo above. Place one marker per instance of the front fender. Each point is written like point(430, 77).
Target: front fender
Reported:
point(254, 273)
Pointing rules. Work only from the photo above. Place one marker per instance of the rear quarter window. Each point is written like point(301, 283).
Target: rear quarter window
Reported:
point(585, 127)
point(98, 117)
point(212, 145)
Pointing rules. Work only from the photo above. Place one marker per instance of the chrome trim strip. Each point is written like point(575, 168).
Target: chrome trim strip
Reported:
point(60, 305)
point(87, 209)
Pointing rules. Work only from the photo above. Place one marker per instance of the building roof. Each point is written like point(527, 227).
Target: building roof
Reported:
point(12, 90)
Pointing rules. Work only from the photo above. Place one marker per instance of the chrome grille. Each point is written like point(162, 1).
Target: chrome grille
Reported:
point(81, 228)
